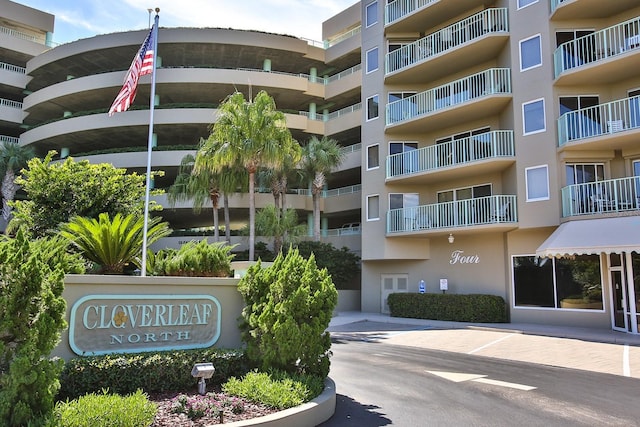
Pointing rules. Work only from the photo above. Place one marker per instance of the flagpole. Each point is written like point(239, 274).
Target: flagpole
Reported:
point(143, 271)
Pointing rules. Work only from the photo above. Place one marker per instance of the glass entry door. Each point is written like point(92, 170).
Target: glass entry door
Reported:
point(624, 299)
point(619, 301)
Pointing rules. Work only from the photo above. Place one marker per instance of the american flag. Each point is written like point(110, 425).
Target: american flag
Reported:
point(142, 64)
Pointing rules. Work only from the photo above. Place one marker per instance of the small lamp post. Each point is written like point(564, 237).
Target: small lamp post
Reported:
point(202, 371)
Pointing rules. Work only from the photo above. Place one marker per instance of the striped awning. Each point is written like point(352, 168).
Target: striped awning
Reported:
point(593, 236)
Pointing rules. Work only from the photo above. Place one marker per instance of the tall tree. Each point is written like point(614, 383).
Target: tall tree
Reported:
point(250, 133)
point(319, 158)
point(13, 158)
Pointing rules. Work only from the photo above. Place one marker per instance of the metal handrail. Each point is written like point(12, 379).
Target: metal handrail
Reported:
point(603, 119)
point(608, 196)
point(489, 82)
point(493, 144)
point(10, 103)
point(12, 68)
point(342, 37)
point(597, 46)
point(498, 209)
point(398, 9)
point(474, 27)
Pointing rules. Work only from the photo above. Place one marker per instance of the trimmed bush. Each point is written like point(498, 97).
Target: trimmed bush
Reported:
point(453, 307)
point(194, 259)
point(150, 372)
point(113, 410)
point(288, 309)
point(277, 389)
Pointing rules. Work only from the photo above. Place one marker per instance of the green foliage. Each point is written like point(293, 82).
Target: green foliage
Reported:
point(194, 259)
point(453, 307)
point(288, 309)
point(57, 192)
point(151, 372)
point(32, 317)
point(342, 264)
point(261, 251)
point(271, 221)
point(103, 409)
point(113, 243)
point(277, 389)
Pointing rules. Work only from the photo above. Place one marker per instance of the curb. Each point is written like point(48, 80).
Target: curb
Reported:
point(309, 414)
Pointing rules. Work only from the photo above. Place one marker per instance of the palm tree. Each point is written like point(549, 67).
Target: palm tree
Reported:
point(319, 158)
point(13, 157)
point(252, 134)
point(282, 225)
point(198, 187)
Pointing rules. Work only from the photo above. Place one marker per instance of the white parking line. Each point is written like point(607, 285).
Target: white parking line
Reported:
point(491, 343)
point(626, 368)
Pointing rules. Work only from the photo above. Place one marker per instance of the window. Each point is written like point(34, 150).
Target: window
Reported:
point(533, 117)
point(562, 283)
point(372, 107)
point(372, 60)
point(530, 53)
point(537, 183)
point(576, 54)
point(373, 156)
point(525, 3)
point(373, 207)
point(371, 16)
point(402, 110)
point(464, 147)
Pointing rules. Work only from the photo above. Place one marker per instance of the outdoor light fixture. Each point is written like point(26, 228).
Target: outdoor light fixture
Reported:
point(202, 371)
point(450, 238)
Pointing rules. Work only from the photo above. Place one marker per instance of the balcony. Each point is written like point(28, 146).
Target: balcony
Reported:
point(417, 15)
point(605, 56)
point(495, 212)
point(601, 197)
point(613, 125)
point(461, 45)
point(478, 154)
point(477, 96)
point(588, 9)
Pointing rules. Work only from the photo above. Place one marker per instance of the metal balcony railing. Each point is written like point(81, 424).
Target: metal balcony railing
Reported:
point(342, 37)
point(398, 9)
point(336, 114)
point(12, 68)
point(489, 82)
point(494, 144)
point(597, 46)
point(612, 117)
point(10, 103)
point(462, 213)
point(613, 195)
point(555, 4)
point(343, 74)
point(12, 139)
point(350, 189)
point(474, 27)
point(351, 148)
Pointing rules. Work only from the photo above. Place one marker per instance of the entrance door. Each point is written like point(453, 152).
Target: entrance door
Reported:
point(624, 310)
point(391, 284)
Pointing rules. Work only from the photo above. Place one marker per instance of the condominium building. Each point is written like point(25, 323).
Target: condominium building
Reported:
point(491, 146)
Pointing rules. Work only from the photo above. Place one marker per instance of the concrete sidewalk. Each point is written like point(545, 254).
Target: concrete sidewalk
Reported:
point(595, 350)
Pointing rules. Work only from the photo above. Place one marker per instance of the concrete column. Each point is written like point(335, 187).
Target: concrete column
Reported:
point(312, 110)
point(325, 114)
point(70, 77)
point(266, 65)
point(64, 152)
point(156, 100)
point(48, 41)
point(324, 226)
point(310, 224)
point(154, 140)
point(67, 114)
point(158, 62)
point(313, 74)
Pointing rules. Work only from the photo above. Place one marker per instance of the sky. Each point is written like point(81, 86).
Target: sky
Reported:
point(76, 19)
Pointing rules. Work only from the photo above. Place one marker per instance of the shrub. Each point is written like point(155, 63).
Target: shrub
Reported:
point(288, 309)
point(194, 259)
point(99, 410)
point(151, 372)
point(32, 314)
point(454, 307)
point(278, 389)
point(342, 264)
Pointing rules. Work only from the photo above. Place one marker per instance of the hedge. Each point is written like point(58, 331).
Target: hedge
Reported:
point(452, 307)
point(151, 372)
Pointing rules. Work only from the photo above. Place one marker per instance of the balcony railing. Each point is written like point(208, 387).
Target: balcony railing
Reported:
point(462, 213)
point(397, 9)
point(350, 189)
point(597, 46)
point(12, 68)
point(326, 117)
point(9, 103)
point(474, 27)
point(612, 117)
point(12, 139)
point(494, 144)
point(343, 74)
point(342, 37)
point(489, 82)
point(613, 195)
point(555, 4)
point(351, 148)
